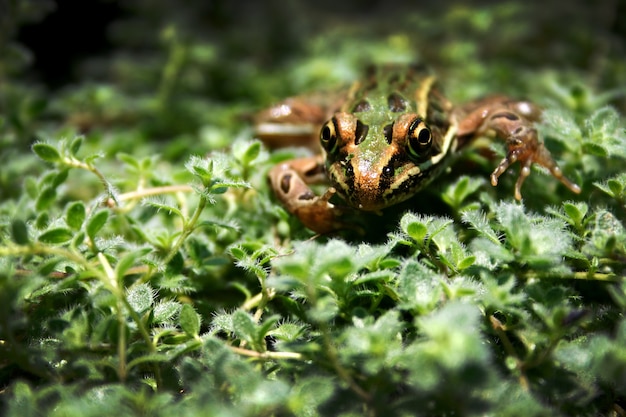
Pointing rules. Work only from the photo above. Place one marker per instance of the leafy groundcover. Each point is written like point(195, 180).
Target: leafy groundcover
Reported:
point(146, 269)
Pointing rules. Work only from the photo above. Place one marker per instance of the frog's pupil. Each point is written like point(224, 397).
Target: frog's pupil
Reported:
point(326, 134)
point(423, 137)
point(329, 139)
point(419, 141)
point(387, 171)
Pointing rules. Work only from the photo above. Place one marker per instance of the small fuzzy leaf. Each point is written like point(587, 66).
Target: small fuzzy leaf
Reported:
point(575, 211)
point(128, 159)
point(478, 221)
point(75, 215)
point(96, 222)
point(417, 231)
point(140, 297)
point(458, 192)
point(47, 152)
point(59, 177)
point(243, 326)
point(614, 186)
point(129, 260)
point(247, 152)
point(19, 232)
point(161, 205)
point(56, 235)
point(45, 198)
point(591, 148)
point(42, 221)
point(74, 147)
point(466, 262)
point(165, 311)
point(189, 320)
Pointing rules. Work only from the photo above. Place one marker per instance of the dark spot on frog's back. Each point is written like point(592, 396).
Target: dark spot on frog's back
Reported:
point(362, 106)
point(396, 103)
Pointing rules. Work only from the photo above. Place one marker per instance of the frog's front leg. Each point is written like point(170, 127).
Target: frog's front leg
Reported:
point(512, 121)
point(290, 181)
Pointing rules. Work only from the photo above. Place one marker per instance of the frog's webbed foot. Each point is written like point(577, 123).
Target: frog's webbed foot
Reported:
point(512, 121)
point(524, 146)
point(290, 181)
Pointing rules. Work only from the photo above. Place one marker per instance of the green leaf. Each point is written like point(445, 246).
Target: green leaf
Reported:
point(247, 152)
point(78, 239)
point(268, 324)
point(201, 168)
point(606, 131)
point(417, 231)
point(96, 222)
point(19, 232)
point(220, 187)
point(75, 215)
point(47, 152)
point(56, 236)
point(309, 393)
point(614, 186)
point(42, 221)
point(607, 234)
point(165, 311)
point(161, 205)
point(128, 160)
point(75, 145)
point(60, 177)
point(45, 198)
point(418, 287)
point(289, 331)
point(466, 262)
point(576, 212)
point(244, 327)
point(128, 260)
point(189, 320)
point(462, 188)
point(478, 221)
point(150, 359)
point(140, 297)
point(595, 149)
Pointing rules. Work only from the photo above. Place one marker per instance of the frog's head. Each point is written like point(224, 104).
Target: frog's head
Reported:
point(376, 165)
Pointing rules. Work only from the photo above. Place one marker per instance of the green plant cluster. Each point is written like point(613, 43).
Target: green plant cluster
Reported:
point(146, 269)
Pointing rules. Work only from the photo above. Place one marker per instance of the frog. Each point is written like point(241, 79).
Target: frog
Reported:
point(380, 141)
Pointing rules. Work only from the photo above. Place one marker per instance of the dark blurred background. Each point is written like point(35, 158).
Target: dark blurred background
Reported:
point(68, 40)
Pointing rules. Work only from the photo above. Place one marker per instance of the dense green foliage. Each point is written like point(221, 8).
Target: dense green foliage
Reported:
point(146, 269)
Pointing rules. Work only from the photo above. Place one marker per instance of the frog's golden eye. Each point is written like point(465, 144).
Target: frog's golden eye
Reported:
point(419, 140)
point(328, 136)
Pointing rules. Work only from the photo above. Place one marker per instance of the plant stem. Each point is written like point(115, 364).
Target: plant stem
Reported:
point(188, 228)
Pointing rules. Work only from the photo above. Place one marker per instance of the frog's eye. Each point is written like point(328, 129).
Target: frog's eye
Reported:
point(419, 140)
point(328, 136)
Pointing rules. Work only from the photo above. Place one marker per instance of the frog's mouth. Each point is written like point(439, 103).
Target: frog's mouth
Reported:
point(368, 196)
